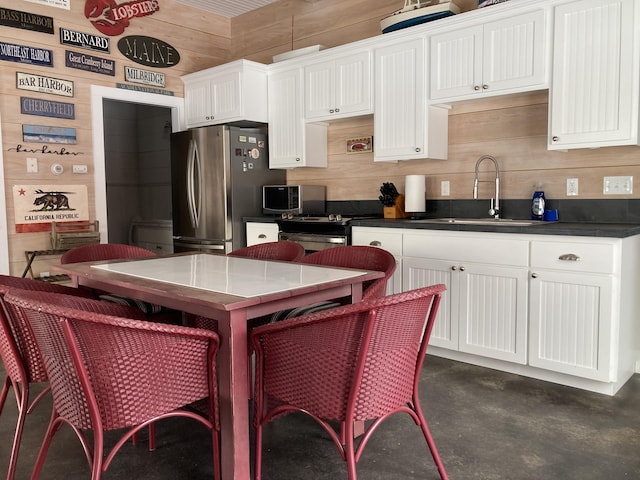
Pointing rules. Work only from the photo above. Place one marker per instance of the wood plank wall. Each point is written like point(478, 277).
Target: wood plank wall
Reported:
point(203, 40)
point(511, 128)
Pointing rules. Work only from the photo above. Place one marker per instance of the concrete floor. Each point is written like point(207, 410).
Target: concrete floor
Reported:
point(487, 425)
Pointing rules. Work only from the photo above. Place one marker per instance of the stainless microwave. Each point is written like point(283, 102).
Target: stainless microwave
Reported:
point(295, 199)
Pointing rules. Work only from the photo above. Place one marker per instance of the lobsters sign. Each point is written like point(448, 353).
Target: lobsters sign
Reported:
point(112, 19)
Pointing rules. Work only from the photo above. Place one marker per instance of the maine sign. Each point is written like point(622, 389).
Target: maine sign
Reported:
point(44, 84)
point(148, 51)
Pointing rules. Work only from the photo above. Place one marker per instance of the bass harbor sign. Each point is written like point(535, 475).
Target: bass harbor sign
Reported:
point(148, 51)
point(112, 19)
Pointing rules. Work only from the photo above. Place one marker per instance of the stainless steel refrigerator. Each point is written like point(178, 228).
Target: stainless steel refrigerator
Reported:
point(217, 177)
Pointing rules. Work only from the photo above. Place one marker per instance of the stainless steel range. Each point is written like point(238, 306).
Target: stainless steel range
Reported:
point(316, 233)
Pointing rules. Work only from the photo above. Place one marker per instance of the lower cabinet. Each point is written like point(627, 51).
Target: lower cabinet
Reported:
point(557, 308)
point(258, 232)
point(484, 311)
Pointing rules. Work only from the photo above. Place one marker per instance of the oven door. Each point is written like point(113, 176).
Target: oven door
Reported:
point(314, 242)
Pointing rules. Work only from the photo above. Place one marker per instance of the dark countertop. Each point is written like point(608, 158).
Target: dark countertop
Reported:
point(610, 230)
point(605, 230)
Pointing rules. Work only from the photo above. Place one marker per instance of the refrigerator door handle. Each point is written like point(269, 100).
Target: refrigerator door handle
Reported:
point(194, 186)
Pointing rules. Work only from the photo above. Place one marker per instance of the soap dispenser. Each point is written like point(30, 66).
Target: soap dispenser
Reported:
point(538, 203)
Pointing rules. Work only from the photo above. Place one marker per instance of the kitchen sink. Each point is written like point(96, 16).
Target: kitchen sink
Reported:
point(505, 222)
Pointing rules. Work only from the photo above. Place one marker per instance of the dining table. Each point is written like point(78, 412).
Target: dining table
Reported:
point(231, 290)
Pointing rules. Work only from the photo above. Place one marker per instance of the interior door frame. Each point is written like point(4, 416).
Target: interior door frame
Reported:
point(98, 94)
point(4, 239)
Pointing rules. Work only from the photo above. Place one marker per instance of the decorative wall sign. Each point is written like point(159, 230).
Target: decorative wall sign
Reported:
point(112, 19)
point(26, 20)
point(47, 108)
point(25, 54)
point(148, 51)
point(138, 88)
point(66, 4)
point(44, 84)
point(146, 77)
point(46, 134)
point(84, 61)
point(84, 40)
point(360, 145)
point(44, 150)
point(36, 206)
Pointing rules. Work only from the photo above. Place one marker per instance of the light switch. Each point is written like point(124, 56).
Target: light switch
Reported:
point(32, 165)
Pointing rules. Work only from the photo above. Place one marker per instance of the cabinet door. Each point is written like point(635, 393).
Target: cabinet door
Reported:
point(571, 324)
point(493, 311)
point(319, 87)
point(225, 97)
point(594, 79)
point(353, 85)
point(197, 101)
point(391, 242)
point(400, 107)
point(285, 120)
point(422, 272)
point(514, 53)
point(456, 63)
point(259, 232)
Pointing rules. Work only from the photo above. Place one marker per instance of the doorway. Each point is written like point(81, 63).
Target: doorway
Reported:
point(137, 172)
point(125, 100)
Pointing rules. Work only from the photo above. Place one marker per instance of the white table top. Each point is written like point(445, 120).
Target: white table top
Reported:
point(244, 277)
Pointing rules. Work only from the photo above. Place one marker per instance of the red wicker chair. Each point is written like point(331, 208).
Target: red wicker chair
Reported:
point(104, 251)
point(352, 363)
point(352, 256)
point(108, 372)
point(284, 250)
point(21, 356)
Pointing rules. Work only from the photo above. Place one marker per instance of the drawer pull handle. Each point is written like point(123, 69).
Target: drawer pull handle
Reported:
point(262, 235)
point(569, 257)
point(376, 243)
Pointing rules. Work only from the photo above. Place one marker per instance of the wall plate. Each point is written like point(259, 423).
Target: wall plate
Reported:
point(57, 169)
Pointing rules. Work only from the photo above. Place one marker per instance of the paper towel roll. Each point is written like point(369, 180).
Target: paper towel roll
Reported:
point(414, 193)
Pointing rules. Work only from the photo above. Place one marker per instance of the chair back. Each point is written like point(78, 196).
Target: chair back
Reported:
point(284, 250)
point(355, 362)
point(104, 251)
point(362, 257)
point(18, 347)
point(108, 369)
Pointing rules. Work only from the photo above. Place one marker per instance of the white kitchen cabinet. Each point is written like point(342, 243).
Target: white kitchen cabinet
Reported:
point(593, 100)
point(573, 316)
point(484, 311)
point(232, 92)
point(405, 127)
point(339, 88)
point(261, 232)
point(494, 58)
point(388, 239)
point(292, 141)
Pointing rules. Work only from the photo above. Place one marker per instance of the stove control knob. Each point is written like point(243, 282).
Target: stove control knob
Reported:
point(332, 217)
point(289, 216)
point(338, 218)
point(283, 215)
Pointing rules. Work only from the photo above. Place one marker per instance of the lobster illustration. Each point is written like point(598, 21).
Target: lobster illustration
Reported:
point(112, 19)
point(52, 200)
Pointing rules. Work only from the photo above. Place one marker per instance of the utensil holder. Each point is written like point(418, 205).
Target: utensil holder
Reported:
point(397, 210)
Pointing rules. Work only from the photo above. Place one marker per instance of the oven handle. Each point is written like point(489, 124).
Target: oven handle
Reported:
point(296, 237)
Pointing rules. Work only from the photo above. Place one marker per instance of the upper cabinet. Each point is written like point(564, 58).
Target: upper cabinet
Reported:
point(495, 58)
point(593, 99)
point(228, 93)
point(338, 88)
point(292, 142)
point(405, 127)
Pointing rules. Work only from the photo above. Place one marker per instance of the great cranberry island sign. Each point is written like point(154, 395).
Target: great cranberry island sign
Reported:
point(112, 18)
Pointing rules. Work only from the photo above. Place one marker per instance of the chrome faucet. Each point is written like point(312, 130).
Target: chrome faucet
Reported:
point(494, 211)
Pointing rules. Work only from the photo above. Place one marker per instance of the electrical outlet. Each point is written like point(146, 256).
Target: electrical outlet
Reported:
point(445, 188)
point(572, 187)
point(617, 185)
point(32, 165)
point(79, 169)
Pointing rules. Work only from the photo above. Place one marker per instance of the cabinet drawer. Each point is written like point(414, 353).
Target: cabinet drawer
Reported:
point(495, 250)
point(390, 241)
point(261, 233)
point(574, 257)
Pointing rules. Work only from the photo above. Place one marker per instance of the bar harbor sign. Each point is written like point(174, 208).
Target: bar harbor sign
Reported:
point(44, 84)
